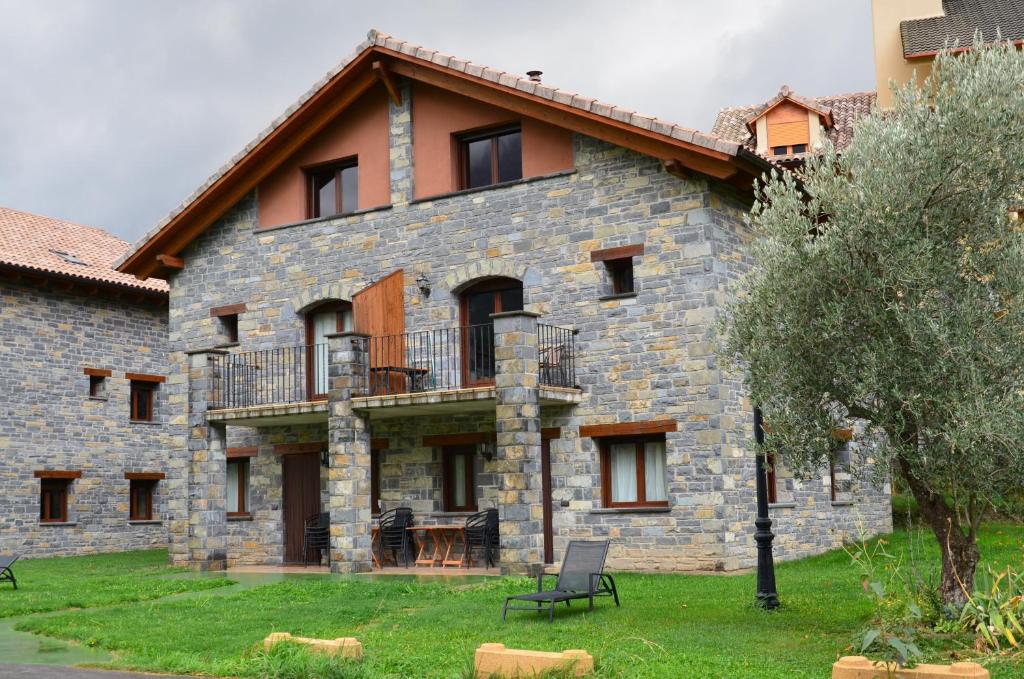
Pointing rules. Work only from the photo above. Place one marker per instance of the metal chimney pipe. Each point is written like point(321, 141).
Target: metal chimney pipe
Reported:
point(535, 75)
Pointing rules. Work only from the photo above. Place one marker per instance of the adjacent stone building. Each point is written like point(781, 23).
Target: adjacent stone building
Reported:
point(84, 436)
point(435, 285)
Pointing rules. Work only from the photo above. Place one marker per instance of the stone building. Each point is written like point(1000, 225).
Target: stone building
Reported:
point(435, 285)
point(84, 435)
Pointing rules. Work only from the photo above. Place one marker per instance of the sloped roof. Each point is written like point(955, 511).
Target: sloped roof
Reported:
point(844, 109)
point(52, 246)
point(786, 94)
point(417, 62)
point(925, 37)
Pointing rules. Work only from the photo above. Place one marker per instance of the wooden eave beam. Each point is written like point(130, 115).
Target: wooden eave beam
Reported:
point(389, 83)
point(171, 262)
point(706, 161)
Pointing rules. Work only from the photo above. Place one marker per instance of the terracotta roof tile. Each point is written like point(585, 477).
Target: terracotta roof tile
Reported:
point(960, 21)
point(513, 81)
point(54, 246)
point(845, 110)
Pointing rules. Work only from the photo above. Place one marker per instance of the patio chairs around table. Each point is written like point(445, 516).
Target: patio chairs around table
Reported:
point(396, 535)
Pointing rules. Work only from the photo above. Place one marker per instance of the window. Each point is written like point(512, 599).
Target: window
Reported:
point(229, 327)
point(97, 386)
point(334, 190)
point(53, 500)
point(478, 303)
point(780, 150)
point(238, 487)
point(633, 472)
point(458, 475)
point(322, 321)
point(140, 499)
point(799, 148)
point(142, 400)
point(621, 273)
point(771, 481)
point(491, 157)
point(375, 481)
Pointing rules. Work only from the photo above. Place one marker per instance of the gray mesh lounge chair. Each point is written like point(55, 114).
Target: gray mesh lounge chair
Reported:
point(582, 576)
point(6, 574)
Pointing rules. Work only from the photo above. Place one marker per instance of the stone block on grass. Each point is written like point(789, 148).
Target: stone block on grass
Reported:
point(344, 647)
point(495, 659)
point(859, 667)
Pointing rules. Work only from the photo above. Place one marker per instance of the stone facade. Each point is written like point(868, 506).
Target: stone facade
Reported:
point(48, 335)
point(648, 356)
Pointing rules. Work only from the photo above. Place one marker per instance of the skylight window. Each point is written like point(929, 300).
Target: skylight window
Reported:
point(69, 258)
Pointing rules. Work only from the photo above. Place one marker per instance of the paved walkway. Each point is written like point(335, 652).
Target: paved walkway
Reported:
point(53, 672)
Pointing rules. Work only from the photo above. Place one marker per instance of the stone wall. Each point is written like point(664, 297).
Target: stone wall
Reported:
point(650, 356)
point(48, 421)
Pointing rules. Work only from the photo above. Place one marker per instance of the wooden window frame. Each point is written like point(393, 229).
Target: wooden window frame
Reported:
point(641, 479)
point(336, 167)
point(243, 486)
point(448, 469)
point(50, 484)
point(463, 141)
point(135, 487)
point(832, 479)
point(771, 478)
point(375, 463)
point(137, 414)
point(339, 308)
point(493, 285)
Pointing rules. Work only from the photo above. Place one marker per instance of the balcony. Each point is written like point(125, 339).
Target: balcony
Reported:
point(420, 372)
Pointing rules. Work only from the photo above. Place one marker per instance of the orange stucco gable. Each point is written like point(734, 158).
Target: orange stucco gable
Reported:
point(361, 132)
point(438, 116)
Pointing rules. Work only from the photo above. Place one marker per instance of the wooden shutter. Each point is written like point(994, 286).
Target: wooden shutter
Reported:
point(379, 310)
point(788, 125)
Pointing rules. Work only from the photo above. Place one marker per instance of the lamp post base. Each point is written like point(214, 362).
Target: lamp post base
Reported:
point(767, 597)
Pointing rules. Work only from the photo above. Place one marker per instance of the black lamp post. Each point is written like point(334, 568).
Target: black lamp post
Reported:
point(767, 597)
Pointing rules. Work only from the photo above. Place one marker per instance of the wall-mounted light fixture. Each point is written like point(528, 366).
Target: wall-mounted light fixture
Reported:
point(486, 449)
point(423, 283)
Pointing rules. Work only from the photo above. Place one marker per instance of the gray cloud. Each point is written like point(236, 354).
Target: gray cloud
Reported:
point(112, 111)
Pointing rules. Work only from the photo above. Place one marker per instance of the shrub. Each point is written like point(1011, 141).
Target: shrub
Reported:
point(995, 610)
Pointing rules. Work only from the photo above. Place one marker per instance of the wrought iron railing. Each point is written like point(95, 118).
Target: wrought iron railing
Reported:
point(422, 361)
point(270, 376)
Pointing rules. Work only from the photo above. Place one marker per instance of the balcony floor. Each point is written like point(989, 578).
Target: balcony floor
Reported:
point(478, 399)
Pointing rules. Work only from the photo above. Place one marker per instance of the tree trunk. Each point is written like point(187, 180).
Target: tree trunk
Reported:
point(959, 549)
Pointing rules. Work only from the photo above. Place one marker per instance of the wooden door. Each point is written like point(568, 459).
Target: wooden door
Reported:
point(301, 482)
point(545, 482)
point(379, 311)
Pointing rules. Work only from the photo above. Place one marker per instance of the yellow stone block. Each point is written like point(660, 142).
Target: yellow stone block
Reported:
point(346, 647)
point(495, 659)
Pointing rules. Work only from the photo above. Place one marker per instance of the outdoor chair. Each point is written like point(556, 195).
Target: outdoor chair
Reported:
point(482, 532)
point(316, 537)
point(582, 576)
point(393, 535)
point(553, 366)
point(6, 573)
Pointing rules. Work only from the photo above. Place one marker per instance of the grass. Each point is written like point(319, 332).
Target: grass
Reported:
point(668, 626)
point(92, 581)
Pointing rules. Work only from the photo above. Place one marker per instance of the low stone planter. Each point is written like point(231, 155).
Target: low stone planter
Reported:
point(859, 667)
point(345, 647)
point(510, 662)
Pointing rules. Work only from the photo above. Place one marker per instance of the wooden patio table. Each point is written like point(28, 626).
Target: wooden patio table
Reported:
point(437, 543)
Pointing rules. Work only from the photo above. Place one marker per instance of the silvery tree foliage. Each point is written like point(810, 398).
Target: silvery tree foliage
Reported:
point(889, 293)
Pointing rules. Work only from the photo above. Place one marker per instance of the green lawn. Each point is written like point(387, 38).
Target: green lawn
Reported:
point(668, 626)
point(91, 581)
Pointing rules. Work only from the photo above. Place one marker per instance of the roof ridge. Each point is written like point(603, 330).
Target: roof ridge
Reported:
point(66, 221)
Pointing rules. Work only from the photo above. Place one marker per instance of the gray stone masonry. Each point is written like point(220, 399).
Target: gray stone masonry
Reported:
point(349, 446)
point(207, 489)
point(48, 420)
point(517, 421)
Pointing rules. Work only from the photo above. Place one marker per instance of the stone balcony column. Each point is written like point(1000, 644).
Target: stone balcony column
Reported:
point(517, 463)
point(207, 473)
point(348, 436)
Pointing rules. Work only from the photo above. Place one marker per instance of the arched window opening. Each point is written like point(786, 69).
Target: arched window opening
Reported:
point(321, 321)
point(478, 302)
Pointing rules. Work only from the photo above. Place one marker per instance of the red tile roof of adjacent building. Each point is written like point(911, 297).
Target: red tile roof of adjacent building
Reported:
point(844, 110)
point(54, 247)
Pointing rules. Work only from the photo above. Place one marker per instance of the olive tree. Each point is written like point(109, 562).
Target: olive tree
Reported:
point(887, 292)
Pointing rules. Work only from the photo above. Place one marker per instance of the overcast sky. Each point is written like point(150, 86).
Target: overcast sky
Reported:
point(113, 111)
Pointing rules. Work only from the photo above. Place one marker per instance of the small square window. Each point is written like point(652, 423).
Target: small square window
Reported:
point(97, 386)
point(633, 472)
point(334, 190)
point(229, 327)
point(779, 150)
point(140, 494)
point(238, 487)
point(142, 397)
point(799, 148)
point(53, 500)
point(621, 273)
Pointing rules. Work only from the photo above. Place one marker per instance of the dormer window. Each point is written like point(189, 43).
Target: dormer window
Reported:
point(333, 189)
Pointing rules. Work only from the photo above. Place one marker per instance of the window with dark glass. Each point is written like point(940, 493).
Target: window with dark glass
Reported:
point(779, 150)
point(771, 480)
point(799, 148)
point(621, 273)
point(458, 476)
point(97, 386)
point(238, 487)
point(229, 327)
point(140, 499)
point(491, 158)
point(322, 321)
point(633, 472)
point(142, 400)
point(478, 303)
point(334, 190)
point(53, 500)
